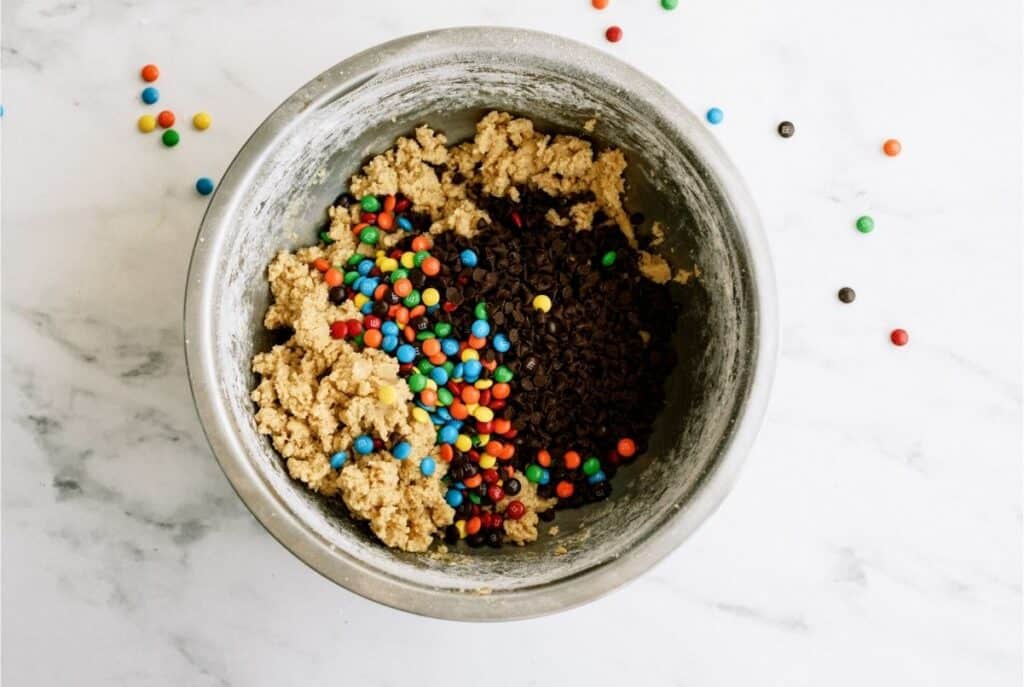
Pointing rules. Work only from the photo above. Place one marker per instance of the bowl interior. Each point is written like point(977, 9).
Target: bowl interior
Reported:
point(276, 199)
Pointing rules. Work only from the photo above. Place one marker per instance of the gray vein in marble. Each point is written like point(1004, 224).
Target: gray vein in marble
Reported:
point(785, 622)
point(850, 567)
point(186, 648)
point(781, 622)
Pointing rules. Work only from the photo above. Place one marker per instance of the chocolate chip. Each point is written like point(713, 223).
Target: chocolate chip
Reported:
point(453, 295)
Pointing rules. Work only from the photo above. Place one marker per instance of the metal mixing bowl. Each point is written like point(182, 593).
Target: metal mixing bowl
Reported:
point(274, 196)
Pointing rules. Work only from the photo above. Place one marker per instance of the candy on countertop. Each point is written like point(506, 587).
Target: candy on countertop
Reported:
point(147, 123)
point(165, 119)
point(204, 186)
point(865, 224)
point(715, 115)
point(170, 138)
point(599, 4)
point(613, 34)
point(669, 4)
point(150, 72)
point(202, 120)
point(847, 295)
point(899, 337)
point(150, 95)
point(892, 147)
point(786, 129)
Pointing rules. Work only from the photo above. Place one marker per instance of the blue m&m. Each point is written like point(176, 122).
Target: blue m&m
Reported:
point(338, 459)
point(468, 258)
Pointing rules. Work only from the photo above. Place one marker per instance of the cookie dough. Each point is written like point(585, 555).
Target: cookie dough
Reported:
point(316, 394)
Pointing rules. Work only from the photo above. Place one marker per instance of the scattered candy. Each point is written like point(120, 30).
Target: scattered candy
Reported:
point(204, 186)
point(165, 119)
point(202, 120)
point(147, 123)
point(613, 34)
point(669, 4)
point(786, 129)
point(892, 147)
point(150, 95)
point(599, 4)
point(170, 138)
point(847, 295)
point(899, 337)
point(715, 116)
point(865, 224)
point(150, 72)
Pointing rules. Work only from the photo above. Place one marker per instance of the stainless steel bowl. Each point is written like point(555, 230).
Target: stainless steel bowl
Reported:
point(274, 196)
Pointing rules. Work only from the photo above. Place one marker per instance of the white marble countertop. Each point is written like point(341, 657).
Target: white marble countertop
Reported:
point(874, 537)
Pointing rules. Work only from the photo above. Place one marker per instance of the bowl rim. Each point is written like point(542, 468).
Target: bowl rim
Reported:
point(368, 581)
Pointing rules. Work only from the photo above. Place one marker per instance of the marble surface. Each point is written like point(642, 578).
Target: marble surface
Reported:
point(875, 535)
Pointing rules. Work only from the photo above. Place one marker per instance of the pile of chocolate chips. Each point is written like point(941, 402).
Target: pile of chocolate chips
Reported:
point(593, 369)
